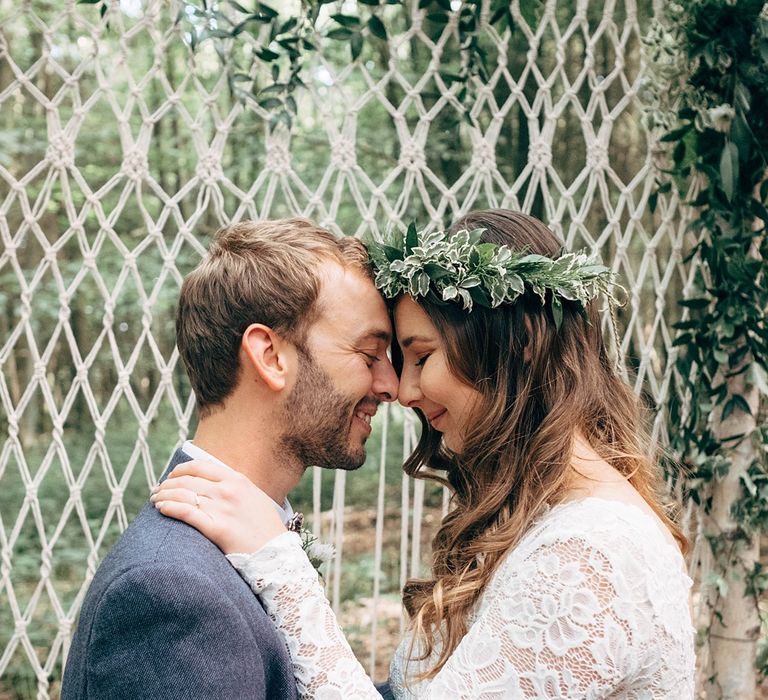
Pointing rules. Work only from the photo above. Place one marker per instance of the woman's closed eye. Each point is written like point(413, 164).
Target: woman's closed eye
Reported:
point(423, 359)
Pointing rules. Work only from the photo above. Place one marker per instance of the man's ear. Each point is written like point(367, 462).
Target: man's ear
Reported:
point(266, 351)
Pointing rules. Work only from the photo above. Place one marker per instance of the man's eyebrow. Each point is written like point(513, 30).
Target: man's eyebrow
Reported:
point(377, 334)
point(411, 339)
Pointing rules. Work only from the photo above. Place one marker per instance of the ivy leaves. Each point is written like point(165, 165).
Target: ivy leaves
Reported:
point(283, 48)
point(352, 28)
point(720, 135)
point(282, 44)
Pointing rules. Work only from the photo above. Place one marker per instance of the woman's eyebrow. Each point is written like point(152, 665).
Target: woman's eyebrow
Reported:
point(411, 339)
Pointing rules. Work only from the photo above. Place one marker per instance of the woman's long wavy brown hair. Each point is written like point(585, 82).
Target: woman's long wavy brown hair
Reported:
point(517, 451)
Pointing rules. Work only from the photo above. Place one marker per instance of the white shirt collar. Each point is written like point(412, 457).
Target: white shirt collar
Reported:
point(191, 450)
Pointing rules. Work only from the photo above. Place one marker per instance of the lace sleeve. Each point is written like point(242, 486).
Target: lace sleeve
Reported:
point(563, 622)
point(290, 589)
point(558, 624)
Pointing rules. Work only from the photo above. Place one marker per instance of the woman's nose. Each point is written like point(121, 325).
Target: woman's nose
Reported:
point(409, 393)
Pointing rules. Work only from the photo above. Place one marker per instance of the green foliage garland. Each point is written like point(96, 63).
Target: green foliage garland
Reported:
point(460, 268)
point(708, 91)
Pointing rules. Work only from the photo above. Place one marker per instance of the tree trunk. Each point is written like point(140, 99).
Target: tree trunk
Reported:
point(736, 629)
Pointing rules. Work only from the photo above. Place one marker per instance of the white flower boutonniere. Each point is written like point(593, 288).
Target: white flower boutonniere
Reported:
point(317, 552)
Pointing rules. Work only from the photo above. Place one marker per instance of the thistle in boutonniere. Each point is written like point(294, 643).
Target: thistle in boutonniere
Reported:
point(317, 552)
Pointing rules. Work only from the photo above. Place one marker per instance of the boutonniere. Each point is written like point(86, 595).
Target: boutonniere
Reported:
point(317, 552)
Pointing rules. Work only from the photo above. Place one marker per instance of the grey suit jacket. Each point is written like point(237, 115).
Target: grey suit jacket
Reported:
point(166, 616)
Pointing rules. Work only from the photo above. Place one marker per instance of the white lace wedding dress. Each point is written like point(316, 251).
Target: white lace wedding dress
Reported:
point(592, 603)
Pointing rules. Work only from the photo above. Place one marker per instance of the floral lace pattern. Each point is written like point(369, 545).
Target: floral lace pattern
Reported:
point(592, 603)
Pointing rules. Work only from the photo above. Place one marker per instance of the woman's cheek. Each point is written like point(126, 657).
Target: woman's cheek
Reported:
point(434, 378)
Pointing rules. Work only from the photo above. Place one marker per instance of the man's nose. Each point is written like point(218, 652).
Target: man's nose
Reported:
point(385, 384)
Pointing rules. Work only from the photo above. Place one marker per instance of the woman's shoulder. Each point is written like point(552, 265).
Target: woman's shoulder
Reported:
point(614, 535)
point(601, 520)
point(602, 572)
point(603, 551)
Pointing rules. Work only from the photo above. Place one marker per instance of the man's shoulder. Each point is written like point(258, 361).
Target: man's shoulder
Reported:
point(155, 549)
point(165, 591)
point(152, 540)
point(151, 537)
point(161, 549)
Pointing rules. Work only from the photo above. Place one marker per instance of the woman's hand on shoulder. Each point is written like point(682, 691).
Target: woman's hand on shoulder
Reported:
point(223, 504)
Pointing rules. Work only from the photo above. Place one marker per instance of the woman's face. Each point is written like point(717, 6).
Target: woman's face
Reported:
point(426, 382)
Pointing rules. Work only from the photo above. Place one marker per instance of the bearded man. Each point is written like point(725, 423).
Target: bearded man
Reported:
point(284, 338)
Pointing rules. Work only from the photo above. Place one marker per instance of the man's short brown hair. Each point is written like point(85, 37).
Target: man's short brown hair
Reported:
point(255, 272)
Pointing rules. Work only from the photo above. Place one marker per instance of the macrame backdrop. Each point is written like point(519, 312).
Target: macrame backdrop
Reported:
point(122, 151)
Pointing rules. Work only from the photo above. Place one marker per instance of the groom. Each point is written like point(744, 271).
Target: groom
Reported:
point(284, 338)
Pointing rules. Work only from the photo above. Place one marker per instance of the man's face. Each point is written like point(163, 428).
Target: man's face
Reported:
point(343, 374)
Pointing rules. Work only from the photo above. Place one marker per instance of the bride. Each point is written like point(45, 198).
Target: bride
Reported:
point(557, 572)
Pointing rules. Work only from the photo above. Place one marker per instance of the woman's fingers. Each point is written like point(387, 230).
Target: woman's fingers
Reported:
point(192, 483)
point(226, 506)
point(180, 495)
point(188, 514)
point(212, 471)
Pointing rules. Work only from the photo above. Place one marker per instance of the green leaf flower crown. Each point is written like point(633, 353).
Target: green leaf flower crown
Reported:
point(460, 268)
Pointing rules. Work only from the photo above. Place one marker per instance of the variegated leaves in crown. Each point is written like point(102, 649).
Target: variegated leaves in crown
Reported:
point(462, 269)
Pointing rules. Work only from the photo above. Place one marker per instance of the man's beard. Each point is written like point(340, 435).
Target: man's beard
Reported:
point(318, 420)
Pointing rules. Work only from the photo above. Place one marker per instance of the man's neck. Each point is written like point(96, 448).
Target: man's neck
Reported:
point(249, 452)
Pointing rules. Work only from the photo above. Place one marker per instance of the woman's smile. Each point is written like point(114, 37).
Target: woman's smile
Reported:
point(434, 419)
